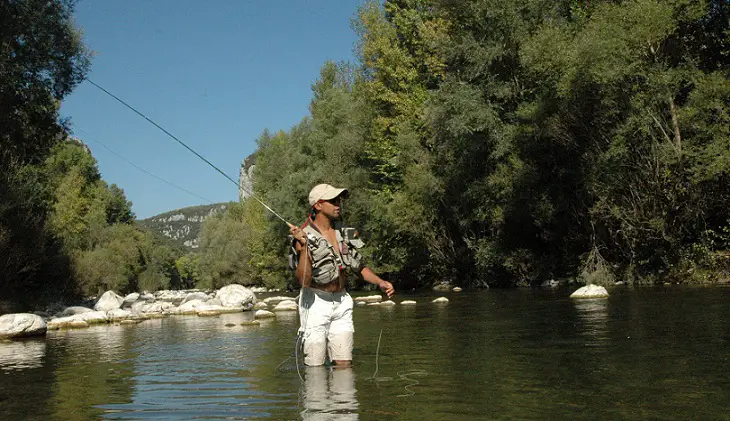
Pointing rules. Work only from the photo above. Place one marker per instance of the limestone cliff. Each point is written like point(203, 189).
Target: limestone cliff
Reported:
point(245, 177)
point(183, 225)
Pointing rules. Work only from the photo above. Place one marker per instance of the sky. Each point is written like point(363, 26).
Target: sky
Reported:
point(213, 73)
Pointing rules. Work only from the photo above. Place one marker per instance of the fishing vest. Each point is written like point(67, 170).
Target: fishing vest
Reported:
point(327, 263)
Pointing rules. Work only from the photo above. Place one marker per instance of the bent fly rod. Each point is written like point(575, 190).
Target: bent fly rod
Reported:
point(250, 193)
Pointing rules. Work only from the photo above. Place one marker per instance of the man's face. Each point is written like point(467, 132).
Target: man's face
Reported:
point(331, 208)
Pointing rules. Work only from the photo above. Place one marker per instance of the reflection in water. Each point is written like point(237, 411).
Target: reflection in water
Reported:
point(22, 354)
point(498, 354)
point(329, 394)
point(96, 359)
point(594, 315)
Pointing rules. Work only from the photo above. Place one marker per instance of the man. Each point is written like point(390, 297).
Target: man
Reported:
point(321, 256)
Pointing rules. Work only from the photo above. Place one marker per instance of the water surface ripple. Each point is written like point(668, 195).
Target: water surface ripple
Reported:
point(646, 353)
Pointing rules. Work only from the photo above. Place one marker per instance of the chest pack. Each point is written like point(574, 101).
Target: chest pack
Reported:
point(328, 261)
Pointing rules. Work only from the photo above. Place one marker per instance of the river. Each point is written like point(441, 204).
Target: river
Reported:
point(643, 353)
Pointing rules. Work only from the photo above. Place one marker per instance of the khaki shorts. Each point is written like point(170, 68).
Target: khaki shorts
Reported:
point(326, 323)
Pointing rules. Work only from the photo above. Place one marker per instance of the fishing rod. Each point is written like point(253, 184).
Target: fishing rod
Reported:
point(175, 138)
point(250, 193)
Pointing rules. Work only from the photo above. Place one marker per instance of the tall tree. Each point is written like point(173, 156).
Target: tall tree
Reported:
point(41, 59)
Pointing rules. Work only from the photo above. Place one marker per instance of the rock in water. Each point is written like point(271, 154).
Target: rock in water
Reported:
point(288, 305)
point(263, 314)
point(590, 291)
point(235, 295)
point(110, 300)
point(19, 325)
point(369, 299)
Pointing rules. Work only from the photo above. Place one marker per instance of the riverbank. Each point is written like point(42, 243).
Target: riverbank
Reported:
point(138, 307)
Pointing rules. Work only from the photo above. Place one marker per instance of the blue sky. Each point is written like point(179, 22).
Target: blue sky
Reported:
point(214, 73)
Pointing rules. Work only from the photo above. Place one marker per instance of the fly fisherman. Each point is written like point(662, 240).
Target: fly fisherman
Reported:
point(321, 254)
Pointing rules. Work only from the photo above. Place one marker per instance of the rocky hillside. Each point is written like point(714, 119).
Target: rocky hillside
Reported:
point(182, 226)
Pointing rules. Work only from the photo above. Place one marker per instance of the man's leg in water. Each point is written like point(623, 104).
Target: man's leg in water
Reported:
point(340, 338)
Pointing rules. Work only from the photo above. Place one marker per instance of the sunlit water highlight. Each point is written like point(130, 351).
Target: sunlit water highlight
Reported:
point(653, 353)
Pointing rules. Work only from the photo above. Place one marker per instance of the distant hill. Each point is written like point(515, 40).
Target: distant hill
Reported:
point(182, 226)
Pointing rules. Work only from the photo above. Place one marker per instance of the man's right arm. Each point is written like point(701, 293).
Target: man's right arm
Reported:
point(304, 268)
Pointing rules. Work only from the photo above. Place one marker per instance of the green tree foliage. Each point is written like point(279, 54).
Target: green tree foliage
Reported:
point(233, 251)
point(624, 86)
point(113, 264)
point(188, 269)
point(507, 143)
point(94, 221)
point(33, 267)
point(483, 142)
point(41, 60)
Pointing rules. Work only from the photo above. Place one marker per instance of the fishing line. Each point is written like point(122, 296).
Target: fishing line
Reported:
point(93, 139)
point(303, 324)
point(282, 363)
point(188, 148)
point(414, 382)
point(402, 375)
point(377, 352)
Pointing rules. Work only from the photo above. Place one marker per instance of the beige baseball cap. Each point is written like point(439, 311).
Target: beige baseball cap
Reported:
point(324, 192)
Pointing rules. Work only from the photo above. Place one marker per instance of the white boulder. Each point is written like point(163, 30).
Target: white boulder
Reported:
point(198, 295)
point(146, 296)
point(21, 324)
point(590, 291)
point(65, 322)
point(407, 303)
point(189, 307)
point(274, 300)
point(440, 300)
point(235, 295)
point(110, 300)
point(153, 308)
point(129, 299)
point(369, 299)
point(170, 296)
point(210, 310)
point(93, 316)
point(214, 310)
point(387, 303)
point(288, 305)
point(263, 314)
point(118, 315)
point(73, 310)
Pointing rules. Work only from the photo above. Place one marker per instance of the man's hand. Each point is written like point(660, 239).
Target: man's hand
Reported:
point(298, 234)
point(387, 288)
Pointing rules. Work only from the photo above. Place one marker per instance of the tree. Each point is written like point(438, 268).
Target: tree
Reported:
point(42, 58)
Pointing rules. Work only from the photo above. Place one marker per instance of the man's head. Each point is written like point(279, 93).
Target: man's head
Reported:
point(327, 199)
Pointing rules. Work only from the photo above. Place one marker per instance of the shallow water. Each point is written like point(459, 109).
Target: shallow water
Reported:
point(649, 353)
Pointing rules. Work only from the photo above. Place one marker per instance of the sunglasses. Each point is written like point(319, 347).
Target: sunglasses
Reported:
point(335, 201)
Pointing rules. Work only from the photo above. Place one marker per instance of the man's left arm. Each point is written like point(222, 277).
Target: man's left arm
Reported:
point(369, 276)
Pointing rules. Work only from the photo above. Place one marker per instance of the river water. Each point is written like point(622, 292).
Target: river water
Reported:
point(645, 353)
